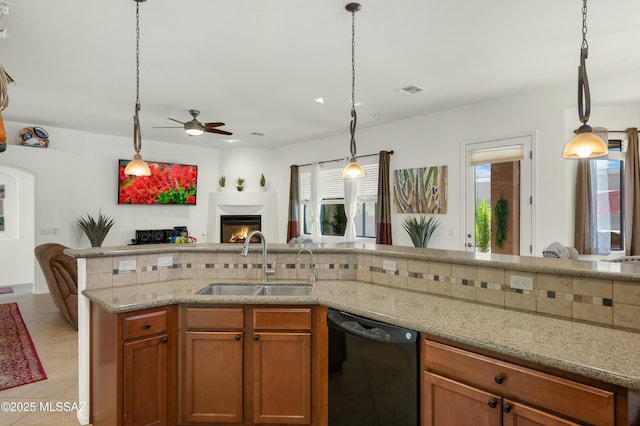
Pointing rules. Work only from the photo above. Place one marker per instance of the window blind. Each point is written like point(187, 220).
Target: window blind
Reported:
point(332, 185)
point(497, 155)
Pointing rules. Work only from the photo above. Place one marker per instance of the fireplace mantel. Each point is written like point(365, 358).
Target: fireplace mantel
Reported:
point(243, 203)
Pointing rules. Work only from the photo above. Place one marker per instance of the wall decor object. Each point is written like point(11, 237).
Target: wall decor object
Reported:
point(36, 137)
point(421, 190)
point(169, 183)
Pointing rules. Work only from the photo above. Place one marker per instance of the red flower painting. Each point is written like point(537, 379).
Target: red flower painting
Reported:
point(169, 183)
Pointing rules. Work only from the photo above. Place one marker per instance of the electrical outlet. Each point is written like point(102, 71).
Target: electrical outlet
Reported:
point(389, 265)
point(127, 265)
point(165, 261)
point(520, 282)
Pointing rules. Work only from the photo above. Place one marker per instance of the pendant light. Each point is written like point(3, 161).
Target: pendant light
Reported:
point(137, 166)
point(585, 144)
point(353, 169)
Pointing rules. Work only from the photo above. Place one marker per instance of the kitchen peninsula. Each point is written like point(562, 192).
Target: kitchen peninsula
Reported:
point(580, 321)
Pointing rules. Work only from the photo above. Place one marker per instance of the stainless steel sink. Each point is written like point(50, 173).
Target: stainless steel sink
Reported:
point(228, 289)
point(286, 290)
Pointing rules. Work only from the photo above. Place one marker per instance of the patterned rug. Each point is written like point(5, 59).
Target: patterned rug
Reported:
point(6, 290)
point(19, 362)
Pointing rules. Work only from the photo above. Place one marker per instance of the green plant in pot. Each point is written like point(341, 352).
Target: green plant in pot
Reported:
point(96, 230)
point(420, 229)
point(222, 181)
point(263, 181)
point(240, 184)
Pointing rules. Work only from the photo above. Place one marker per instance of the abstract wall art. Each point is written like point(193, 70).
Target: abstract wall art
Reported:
point(421, 190)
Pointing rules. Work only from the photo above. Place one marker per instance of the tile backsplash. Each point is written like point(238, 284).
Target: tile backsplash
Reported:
point(603, 302)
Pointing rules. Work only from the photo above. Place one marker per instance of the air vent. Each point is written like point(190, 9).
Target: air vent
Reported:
point(410, 90)
point(257, 134)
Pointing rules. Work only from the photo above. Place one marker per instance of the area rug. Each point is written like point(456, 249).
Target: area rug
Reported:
point(19, 362)
point(6, 290)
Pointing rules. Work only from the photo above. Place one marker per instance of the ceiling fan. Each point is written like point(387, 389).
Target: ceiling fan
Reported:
point(196, 128)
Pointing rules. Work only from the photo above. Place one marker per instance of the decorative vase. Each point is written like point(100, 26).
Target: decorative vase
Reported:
point(239, 188)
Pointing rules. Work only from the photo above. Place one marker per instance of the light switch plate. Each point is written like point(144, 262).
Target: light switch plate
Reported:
point(388, 265)
point(521, 283)
point(127, 265)
point(165, 261)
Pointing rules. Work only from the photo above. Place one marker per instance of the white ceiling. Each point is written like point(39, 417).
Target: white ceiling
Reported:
point(258, 65)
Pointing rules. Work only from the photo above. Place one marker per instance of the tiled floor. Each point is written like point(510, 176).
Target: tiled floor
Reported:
point(57, 345)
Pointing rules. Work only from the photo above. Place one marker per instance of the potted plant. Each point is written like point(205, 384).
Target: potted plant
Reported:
point(96, 230)
point(240, 184)
point(263, 182)
point(420, 230)
point(222, 181)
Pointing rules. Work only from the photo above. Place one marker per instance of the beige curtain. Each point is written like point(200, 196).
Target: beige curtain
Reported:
point(632, 195)
point(583, 217)
point(294, 202)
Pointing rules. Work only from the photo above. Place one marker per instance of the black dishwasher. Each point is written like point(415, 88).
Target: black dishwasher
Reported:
point(373, 372)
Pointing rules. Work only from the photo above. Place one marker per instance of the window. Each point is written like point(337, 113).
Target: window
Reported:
point(607, 182)
point(333, 220)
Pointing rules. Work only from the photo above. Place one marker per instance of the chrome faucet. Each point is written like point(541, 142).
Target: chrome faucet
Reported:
point(245, 251)
point(312, 277)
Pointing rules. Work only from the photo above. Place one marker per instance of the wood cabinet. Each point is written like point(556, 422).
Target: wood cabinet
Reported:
point(461, 387)
point(131, 366)
point(253, 365)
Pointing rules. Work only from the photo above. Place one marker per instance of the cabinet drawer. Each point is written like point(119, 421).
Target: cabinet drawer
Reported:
point(214, 318)
point(144, 324)
point(282, 319)
point(567, 397)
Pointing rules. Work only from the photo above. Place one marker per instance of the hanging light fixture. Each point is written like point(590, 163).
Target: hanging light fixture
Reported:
point(137, 166)
point(353, 169)
point(585, 144)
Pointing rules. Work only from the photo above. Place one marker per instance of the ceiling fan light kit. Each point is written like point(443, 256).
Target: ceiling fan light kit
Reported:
point(137, 166)
point(353, 169)
point(585, 144)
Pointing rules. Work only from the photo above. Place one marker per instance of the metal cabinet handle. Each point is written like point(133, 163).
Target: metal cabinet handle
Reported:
point(499, 379)
point(256, 337)
point(506, 408)
point(493, 403)
point(147, 325)
point(237, 337)
point(165, 339)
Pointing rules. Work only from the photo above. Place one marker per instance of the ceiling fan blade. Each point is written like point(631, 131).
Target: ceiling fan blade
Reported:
point(222, 132)
point(173, 119)
point(212, 125)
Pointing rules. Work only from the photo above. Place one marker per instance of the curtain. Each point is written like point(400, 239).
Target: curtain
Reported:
point(632, 195)
point(583, 219)
point(383, 205)
point(316, 234)
point(350, 197)
point(294, 205)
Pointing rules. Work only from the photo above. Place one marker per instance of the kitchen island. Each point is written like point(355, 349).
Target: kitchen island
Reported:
point(426, 290)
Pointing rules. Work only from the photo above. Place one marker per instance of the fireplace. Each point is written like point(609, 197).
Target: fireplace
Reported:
point(235, 228)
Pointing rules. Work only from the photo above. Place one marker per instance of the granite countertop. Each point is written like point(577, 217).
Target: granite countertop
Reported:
point(588, 350)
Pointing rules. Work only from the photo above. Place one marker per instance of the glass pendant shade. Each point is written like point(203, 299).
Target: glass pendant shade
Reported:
point(585, 144)
point(353, 169)
point(137, 167)
point(194, 132)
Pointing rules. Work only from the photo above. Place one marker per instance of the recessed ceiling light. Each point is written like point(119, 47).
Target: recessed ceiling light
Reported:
point(410, 90)
point(257, 134)
point(320, 100)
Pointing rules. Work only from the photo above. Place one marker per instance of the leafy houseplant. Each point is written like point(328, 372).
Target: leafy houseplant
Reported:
point(420, 230)
point(222, 181)
point(263, 181)
point(240, 184)
point(483, 226)
point(96, 230)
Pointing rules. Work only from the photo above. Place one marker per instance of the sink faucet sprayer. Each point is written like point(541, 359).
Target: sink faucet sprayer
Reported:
point(245, 251)
point(312, 277)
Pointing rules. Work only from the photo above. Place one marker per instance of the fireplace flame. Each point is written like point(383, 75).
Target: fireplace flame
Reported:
point(240, 236)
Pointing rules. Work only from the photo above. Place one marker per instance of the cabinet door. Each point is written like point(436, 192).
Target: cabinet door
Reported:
point(446, 402)
point(521, 415)
point(282, 378)
point(145, 381)
point(213, 377)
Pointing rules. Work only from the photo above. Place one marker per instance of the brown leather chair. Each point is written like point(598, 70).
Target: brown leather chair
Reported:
point(61, 273)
